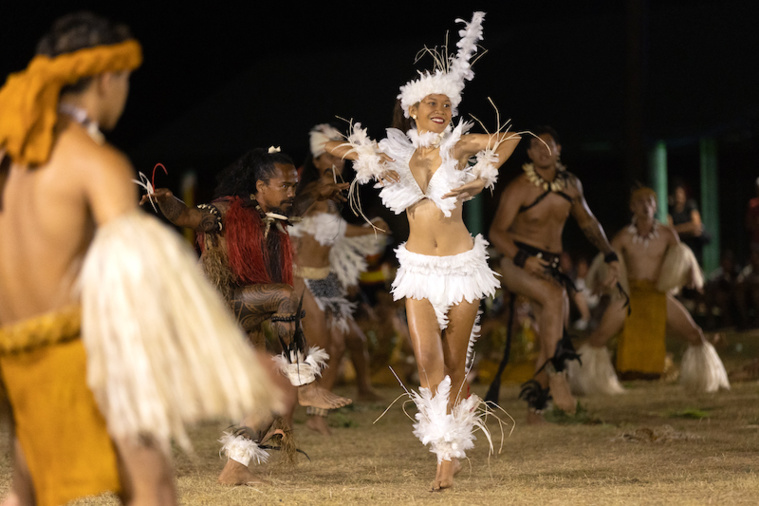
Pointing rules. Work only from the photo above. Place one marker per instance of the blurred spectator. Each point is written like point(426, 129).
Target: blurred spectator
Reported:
point(685, 217)
point(719, 293)
point(747, 292)
point(752, 218)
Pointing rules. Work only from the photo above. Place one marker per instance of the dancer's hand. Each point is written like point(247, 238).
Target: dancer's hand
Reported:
point(389, 177)
point(380, 225)
point(467, 191)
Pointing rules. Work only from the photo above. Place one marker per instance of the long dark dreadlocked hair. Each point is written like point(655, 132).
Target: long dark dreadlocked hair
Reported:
point(254, 255)
point(239, 179)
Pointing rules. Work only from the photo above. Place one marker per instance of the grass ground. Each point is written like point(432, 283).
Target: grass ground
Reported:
point(656, 444)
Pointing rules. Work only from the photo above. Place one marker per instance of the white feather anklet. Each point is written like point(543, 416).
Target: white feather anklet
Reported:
point(448, 435)
point(302, 370)
point(242, 449)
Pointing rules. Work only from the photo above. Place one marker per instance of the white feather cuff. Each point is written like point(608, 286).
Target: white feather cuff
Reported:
point(242, 450)
point(163, 349)
point(369, 164)
point(485, 167)
point(302, 370)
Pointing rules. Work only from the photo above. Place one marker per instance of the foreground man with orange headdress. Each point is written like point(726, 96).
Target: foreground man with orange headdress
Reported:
point(105, 356)
point(654, 263)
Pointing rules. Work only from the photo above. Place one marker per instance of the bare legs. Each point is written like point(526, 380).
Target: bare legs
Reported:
point(355, 342)
point(681, 322)
point(612, 321)
point(443, 355)
point(549, 303)
point(22, 491)
point(146, 473)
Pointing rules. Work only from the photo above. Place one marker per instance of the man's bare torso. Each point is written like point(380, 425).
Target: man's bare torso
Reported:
point(541, 225)
point(47, 222)
point(644, 256)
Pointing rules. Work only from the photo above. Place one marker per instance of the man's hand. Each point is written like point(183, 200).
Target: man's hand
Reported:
point(160, 195)
point(537, 267)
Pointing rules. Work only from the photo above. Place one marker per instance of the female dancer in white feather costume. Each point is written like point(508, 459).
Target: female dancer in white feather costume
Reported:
point(424, 170)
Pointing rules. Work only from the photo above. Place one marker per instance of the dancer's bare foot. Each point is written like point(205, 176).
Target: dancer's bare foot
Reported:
point(234, 473)
point(446, 470)
point(561, 393)
point(315, 396)
point(318, 424)
point(535, 417)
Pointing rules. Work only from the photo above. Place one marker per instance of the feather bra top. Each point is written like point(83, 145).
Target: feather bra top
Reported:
point(400, 195)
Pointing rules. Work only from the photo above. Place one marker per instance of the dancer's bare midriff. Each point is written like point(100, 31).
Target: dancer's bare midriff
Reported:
point(432, 233)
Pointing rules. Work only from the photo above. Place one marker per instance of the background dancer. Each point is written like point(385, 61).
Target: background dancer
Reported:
point(654, 264)
point(329, 256)
point(527, 230)
point(246, 252)
point(423, 166)
point(90, 301)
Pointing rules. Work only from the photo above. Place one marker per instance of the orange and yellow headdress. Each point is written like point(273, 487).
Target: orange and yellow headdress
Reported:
point(29, 99)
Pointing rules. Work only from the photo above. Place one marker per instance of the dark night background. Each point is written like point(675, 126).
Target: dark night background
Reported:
point(612, 77)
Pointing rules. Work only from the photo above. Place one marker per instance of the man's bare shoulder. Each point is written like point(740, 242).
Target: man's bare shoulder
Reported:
point(517, 184)
point(669, 233)
point(83, 157)
point(622, 238)
point(573, 182)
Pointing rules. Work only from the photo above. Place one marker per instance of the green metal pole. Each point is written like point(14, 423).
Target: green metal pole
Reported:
point(474, 219)
point(658, 177)
point(710, 202)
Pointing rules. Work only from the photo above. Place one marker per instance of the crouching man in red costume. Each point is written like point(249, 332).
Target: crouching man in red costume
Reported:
point(246, 252)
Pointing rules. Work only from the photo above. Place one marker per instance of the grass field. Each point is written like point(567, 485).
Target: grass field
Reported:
point(656, 444)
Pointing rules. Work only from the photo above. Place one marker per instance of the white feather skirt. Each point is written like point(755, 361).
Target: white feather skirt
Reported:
point(445, 280)
point(596, 374)
point(164, 351)
point(449, 435)
point(701, 369)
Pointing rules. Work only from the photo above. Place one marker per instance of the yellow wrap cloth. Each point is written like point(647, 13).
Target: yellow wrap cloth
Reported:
point(61, 430)
point(642, 345)
point(29, 99)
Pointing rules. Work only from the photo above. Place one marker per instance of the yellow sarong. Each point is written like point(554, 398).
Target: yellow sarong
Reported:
point(642, 344)
point(61, 430)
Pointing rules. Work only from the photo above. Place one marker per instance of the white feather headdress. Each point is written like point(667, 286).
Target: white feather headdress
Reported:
point(449, 73)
